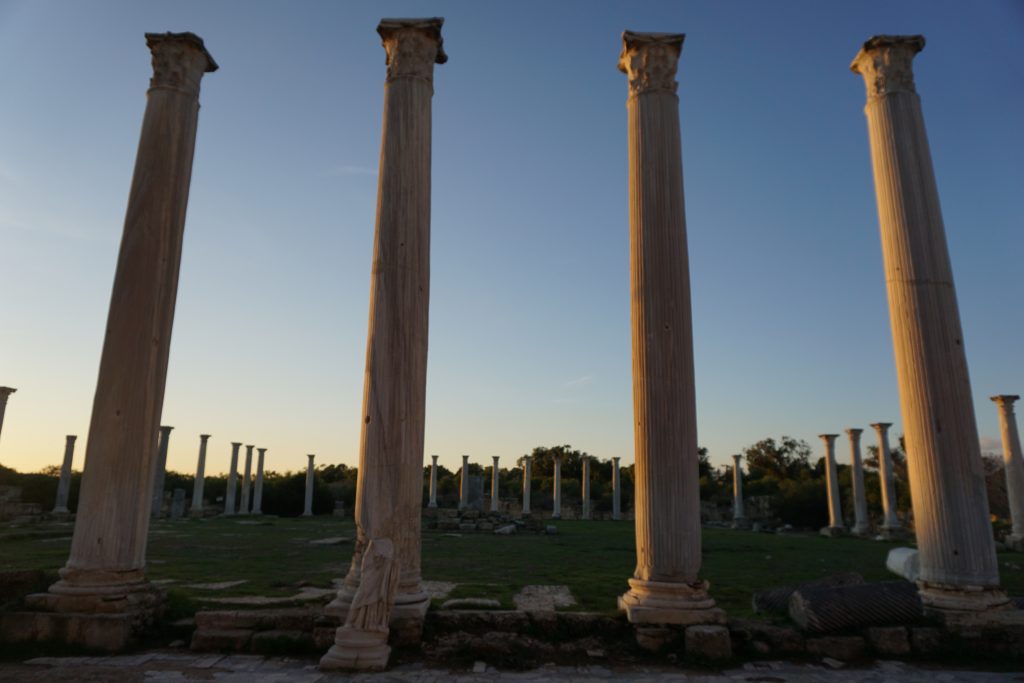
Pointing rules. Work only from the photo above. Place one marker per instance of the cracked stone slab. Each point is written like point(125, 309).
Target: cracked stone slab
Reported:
point(539, 598)
point(307, 594)
point(217, 585)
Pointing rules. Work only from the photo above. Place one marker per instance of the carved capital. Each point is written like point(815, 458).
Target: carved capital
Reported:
point(881, 427)
point(649, 60)
point(885, 64)
point(179, 62)
point(413, 47)
point(5, 392)
point(1005, 402)
point(829, 439)
point(854, 433)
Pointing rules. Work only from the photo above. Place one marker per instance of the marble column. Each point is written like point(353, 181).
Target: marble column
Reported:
point(527, 477)
point(464, 484)
point(835, 509)
point(232, 487)
point(616, 490)
point(64, 485)
point(886, 476)
point(5, 392)
point(556, 511)
point(307, 508)
point(199, 484)
point(1013, 464)
point(861, 523)
point(585, 493)
point(108, 549)
point(959, 571)
point(246, 480)
point(257, 494)
point(433, 482)
point(665, 586)
point(494, 484)
point(160, 472)
point(739, 516)
point(390, 486)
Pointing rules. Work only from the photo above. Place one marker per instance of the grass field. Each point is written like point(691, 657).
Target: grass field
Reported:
point(594, 559)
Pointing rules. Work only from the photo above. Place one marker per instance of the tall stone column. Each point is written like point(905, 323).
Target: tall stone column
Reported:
point(5, 392)
point(232, 487)
point(665, 587)
point(556, 511)
point(257, 496)
point(861, 523)
point(958, 568)
point(60, 507)
point(616, 490)
point(464, 484)
point(886, 475)
point(739, 516)
point(389, 490)
point(1013, 464)
point(199, 484)
point(527, 477)
point(835, 509)
point(247, 479)
point(433, 482)
point(160, 472)
point(105, 570)
point(586, 489)
point(307, 508)
point(494, 484)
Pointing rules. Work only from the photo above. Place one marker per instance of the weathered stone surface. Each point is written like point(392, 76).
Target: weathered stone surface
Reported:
point(889, 640)
point(779, 639)
point(845, 648)
point(282, 642)
point(297, 619)
point(776, 600)
point(926, 640)
point(708, 644)
point(221, 640)
point(471, 603)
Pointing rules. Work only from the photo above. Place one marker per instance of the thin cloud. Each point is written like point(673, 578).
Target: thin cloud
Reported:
point(585, 380)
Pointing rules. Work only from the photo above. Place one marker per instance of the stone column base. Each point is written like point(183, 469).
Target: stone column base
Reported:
point(832, 531)
point(407, 617)
point(1014, 542)
point(657, 602)
point(741, 523)
point(861, 531)
point(357, 650)
point(893, 533)
point(958, 607)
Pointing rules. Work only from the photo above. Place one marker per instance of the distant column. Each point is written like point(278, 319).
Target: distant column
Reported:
point(161, 471)
point(433, 482)
point(835, 511)
point(200, 481)
point(556, 512)
point(246, 480)
point(886, 475)
point(229, 493)
point(959, 570)
point(307, 510)
point(586, 488)
point(5, 392)
point(64, 485)
point(738, 514)
point(494, 485)
point(861, 524)
point(616, 490)
point(1013, 464)
point(464, 484)
point(257, 500)
point(527, 476)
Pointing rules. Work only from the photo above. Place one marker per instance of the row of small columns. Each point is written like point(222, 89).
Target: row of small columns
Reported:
point(862, 525)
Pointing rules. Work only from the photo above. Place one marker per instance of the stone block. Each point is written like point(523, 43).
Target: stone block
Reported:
point(467, 526)
point(106, 632)
point(285, 619)
point(448, 524)
point(485, 526)
point(779, 639)
point(278, 642)
point(221, 640)
point(889, 640)
point(471, 603)
point(323, 637)
point(705, 643)
point(925, 640)
point(845, 648)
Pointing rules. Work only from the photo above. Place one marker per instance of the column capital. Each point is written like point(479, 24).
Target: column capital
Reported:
point(5, 392)
point(828, 438)
point(649, 60)
point(165, 428)
point(1005, 401)
point(495, 458)
point(434, 458)
point(880, 426)
point(204, 437)
point(413, 46)
point(465, 459)
point(261, 451)
point(236, 445)
point(179, 61)
point(311, 456)
point(885, 63)
point(853, 432)
point(737, 457)
point(616, 458)
point(249, 446)
point(71, 437)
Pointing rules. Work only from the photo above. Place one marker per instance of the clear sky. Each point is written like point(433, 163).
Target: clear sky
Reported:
point(529, 320)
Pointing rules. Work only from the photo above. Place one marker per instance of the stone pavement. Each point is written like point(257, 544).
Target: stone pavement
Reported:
point(160, 667)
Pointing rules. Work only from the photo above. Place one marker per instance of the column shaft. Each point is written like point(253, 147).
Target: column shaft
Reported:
point(586, 488)
point(307, 508)
point(433, 482)
point(616, 490)
point(464, 484)
point(494, 485)
point(257, 498)
point(835, 508)
point(527, 477)
point(160, 472)
point(199, 484)
point(1013, 465)
point(246, 481)
point(229, 493)
point(886, 475)
point(5, 392)
point(861, 523)
point(738, 512)
point(64, 485)
point(556, 511)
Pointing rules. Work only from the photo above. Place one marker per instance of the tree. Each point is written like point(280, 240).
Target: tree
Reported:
point(784, 459)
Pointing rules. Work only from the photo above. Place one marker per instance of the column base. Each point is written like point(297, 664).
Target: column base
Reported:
point(357, 650)
point(407, 617)
point(1014, 542)
point(832, 531)
point(741, 523)
point(968, 607)
point(893, 533)
point(862, 531)
point(659, 602)
point(432, 504)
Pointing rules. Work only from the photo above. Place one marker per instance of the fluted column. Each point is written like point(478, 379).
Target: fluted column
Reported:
point(616, 490)
point(464, 484)
point(246, 480)
point(556, 511)
point(738, 514)
point(433, 482)
point(390, 488)
point(1013, 465)
point(527, 477)
point(257, 495)
point(665, 587)
point(232, 487)
point(835, 508)
point(5, 392)
point(307, 507)
point(160, 472)
point(108, 549)
point(494, 484)
point(199, 484)
point(947, 483)
point(861, 523)
point(886, 475)
point(585, 494)
point(60, 506)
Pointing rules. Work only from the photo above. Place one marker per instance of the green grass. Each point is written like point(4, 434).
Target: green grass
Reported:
point(593, 558)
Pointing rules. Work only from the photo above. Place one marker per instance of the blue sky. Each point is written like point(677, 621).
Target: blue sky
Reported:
point(529, 320)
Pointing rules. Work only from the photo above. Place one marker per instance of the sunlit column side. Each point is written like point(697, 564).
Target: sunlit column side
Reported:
point(257, 495)
point(527, 477)
point(246, 480)
point(60, 506)
point(5, 393)
point(887, 479)
point(160, 472)
point(433, 482)
point(1013, 465)
point(232, 486)
point(307, 506)
point(199, 484)
point(861, 523)
point(585, 493)
point(494, 484)
point(464, 484)
point(616, 490)
point(665, 587)
point(556, 506)
point(835, 509)
point(958, 568)
point(738, 514)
